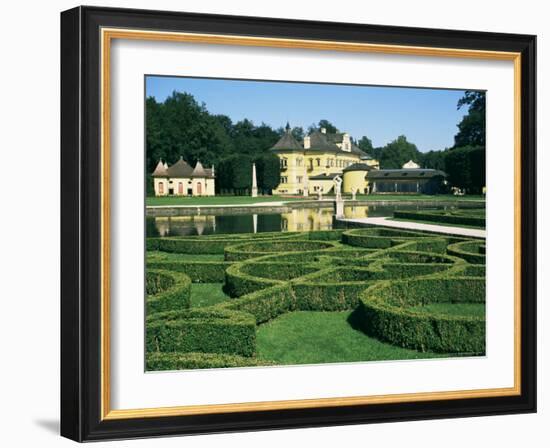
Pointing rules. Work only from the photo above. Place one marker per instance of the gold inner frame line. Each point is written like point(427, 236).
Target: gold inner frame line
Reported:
point(107, 35)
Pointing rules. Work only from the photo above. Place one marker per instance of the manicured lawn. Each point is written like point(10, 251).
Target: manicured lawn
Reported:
point(312, 337)
point(247, 200)
point(453, 309)
point(167, 256)
point(217, 200)
point(206, 294)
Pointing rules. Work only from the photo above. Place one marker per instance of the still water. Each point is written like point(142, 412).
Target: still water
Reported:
point(296, 220)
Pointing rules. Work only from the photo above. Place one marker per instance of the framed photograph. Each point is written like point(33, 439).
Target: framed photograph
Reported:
point(273, 223)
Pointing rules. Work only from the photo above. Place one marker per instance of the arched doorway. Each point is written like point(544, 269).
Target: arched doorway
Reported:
point(199, 188)
point(180, 187)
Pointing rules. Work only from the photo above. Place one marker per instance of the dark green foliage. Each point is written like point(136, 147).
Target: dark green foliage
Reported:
point(210, 244)
point(365, 144)
point(443, 218)
point(386, 314)
point(471, 130)
point(208, 330)
point(246, 251)
point(167, 291)
point(398, 152)
point(184, 361)
point(471, 251)
point(268, 171)
point(198, 271)
point(400, 287)
point(465, 167)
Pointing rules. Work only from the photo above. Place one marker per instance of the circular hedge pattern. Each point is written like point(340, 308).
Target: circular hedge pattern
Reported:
point(386, 276)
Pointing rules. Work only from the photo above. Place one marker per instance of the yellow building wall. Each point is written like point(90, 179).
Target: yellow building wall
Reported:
point(302, 164)
point(355, 180)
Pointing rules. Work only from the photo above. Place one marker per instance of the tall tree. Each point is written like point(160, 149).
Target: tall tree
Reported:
point(365, 144)
point(471, 129)
point(331, 129)
point(268, 170)
point(466, 168)
point(398, 152)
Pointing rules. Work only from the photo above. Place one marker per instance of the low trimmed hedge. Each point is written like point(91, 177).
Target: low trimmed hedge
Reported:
point(385, 314)
point(249, 250)
point(471, 251)
point(211, 244)
point(383, 274)
point(184, 361)
point(379, 238)
point(167, 291)
point(198, 271)
point(443, 218)
point(208, 330)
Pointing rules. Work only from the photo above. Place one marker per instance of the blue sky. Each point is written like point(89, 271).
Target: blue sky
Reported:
point(428, 117)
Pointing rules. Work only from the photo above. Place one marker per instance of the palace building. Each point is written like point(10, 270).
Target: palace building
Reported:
point(180, 179)
point(310, 166)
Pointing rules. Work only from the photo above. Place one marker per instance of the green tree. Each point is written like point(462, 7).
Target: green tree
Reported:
point(465, 167)
point(433, 159)
point(268, 172)
point(471, 129)
point(331, 129)
point(398, 152)
point(365, 144)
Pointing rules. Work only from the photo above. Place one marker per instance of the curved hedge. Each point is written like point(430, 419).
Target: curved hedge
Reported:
point(471, 251)
point(386, 314)
point(209, 330)
point(194, 360)
point(381, 273)
point(167, 291)
point(246, 251)
point(443, 217)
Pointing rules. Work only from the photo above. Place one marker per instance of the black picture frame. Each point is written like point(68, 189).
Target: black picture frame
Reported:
point(81, 224)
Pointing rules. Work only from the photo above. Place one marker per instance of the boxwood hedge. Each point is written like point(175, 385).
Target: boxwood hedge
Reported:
point(381, 273)
point(385, 313)
point(167, 290)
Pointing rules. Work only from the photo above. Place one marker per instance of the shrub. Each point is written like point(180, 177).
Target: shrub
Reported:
point(209, 330)
point(385, 313)
point(471, 251)
point(246, 251)
point(444, 218)
point(198, 271)
point(182, 361)
point(166, 291)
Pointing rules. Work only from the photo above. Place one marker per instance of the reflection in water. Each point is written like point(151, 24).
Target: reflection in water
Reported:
point(297, 220)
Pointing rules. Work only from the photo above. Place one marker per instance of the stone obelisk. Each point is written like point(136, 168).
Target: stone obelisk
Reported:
point(254, 183)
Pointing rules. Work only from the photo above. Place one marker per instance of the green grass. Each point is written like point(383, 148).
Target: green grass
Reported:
point(216, 200)
point(206, 294)
point(154, 255)
point(248, 200)
point(313, 337)
point(453, 309)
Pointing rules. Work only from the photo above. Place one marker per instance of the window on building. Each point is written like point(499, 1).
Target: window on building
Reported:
point(299, 179)
point(284, 163)
point(161, 187)
point(299, 161)
point(318, 162)
point(283, 180)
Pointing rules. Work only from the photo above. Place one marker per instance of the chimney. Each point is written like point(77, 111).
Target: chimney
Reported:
point(323, 130)
point(307, 142)
point(346, 142)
